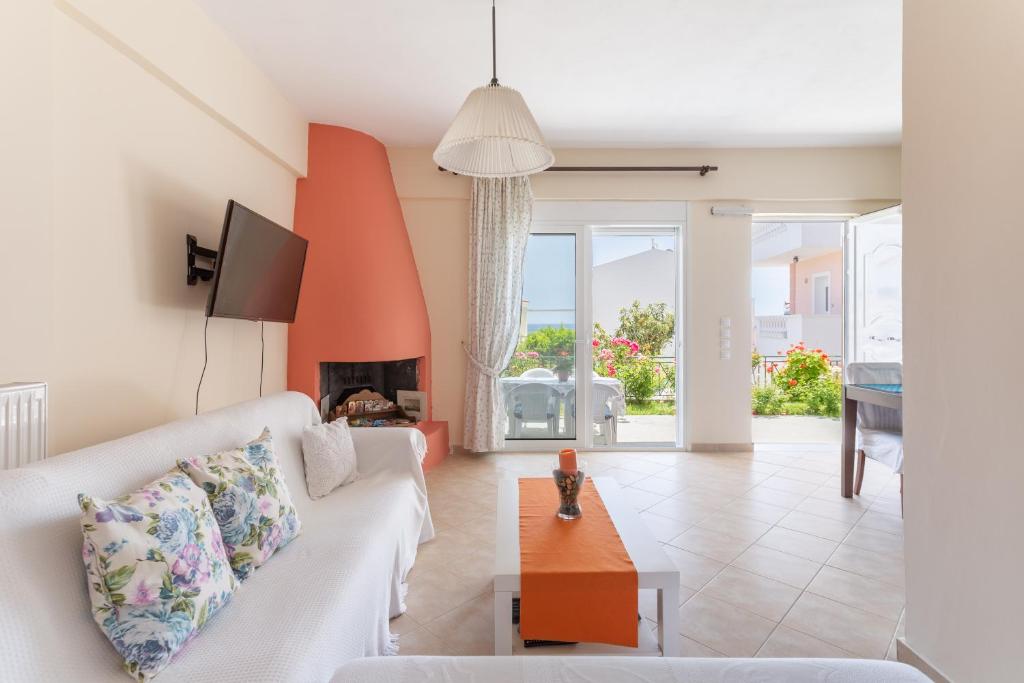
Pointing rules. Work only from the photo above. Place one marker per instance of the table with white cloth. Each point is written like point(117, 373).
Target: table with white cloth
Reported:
point(618, 402)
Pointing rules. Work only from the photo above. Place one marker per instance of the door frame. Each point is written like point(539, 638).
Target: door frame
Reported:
point(583, 219)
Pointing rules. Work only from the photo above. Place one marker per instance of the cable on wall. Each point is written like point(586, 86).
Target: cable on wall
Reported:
point(262, 348)
point(206, 358)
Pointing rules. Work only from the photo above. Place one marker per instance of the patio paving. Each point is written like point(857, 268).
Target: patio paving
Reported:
point(765, 429)
point(647, 429)
point(796, 429)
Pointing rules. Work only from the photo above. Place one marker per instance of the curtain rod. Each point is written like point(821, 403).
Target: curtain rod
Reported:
point(702, 170)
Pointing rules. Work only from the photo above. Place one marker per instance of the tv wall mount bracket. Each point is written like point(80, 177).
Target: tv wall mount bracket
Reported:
point(193, 251)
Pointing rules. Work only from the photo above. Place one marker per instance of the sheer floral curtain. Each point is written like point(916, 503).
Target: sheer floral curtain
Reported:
point(500, 213)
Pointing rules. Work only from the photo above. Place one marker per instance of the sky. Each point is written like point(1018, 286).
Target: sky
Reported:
point(550, 271)
point(769, 288)
point(549, 280)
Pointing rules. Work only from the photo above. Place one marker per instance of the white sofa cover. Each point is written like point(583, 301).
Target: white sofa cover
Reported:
point(569, 669)
point(323, 599)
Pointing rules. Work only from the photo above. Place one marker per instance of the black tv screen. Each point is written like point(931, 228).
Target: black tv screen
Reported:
point(258, 269)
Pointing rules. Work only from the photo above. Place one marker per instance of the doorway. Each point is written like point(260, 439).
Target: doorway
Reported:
point(797, 355)
point(822, 285)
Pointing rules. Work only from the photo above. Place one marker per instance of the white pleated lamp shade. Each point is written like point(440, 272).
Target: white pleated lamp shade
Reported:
point(494, 135)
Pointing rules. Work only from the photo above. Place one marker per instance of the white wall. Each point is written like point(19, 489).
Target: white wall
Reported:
point(136, 123)
point(963, 240)
point(648, 277)
point(436, 209)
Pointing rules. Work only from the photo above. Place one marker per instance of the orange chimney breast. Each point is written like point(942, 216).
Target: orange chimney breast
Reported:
point(361, 298)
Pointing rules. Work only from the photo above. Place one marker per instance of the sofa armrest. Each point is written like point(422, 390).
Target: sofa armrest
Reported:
point(399, 450)
point(383, 448)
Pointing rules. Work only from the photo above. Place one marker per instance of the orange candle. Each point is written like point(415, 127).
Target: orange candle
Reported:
point(567, 460)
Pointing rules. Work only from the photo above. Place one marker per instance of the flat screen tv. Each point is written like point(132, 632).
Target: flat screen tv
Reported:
point(258, 269)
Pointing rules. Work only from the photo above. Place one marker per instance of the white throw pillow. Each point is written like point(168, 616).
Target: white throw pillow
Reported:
point(330, 457)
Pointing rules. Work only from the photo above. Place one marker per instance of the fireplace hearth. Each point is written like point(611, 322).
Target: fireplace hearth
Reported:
point(341, 379)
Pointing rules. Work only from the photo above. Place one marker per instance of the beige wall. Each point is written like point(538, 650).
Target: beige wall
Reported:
point(25, 191)
point(132, 150)
point(717, 284)
point(436, 208)
point(963, 241)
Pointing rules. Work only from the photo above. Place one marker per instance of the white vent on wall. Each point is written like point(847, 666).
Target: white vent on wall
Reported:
point(22, 423)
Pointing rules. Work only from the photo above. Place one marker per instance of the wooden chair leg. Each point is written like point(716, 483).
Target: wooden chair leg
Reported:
point(859, 477)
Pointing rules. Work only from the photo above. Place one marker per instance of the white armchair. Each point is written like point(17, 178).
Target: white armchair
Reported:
point(604, 415)
point(533, 402)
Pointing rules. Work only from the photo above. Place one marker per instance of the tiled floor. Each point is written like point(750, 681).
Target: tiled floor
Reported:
point(773, 562)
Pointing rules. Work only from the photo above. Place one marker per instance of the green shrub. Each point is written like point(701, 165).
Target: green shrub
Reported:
point(549, 342)
point(806, 378)
point(795, 408)
point(825, 396)
point(650, 407)
point(650, 326)
point(639, 380)
point(621, 357)
point(803, 367)
point(549, 347)
point(766, 400)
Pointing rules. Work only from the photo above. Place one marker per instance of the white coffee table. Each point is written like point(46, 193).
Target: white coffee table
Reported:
point(653, 567)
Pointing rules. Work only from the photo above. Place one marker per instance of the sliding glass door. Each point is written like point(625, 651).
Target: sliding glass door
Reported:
point(539, 384)
point(633, 285)
point(597, 360)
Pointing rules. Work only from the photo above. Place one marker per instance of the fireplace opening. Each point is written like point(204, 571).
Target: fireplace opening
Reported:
point(341, 380)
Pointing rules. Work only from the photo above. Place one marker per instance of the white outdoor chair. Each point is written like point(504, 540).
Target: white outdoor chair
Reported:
point(538, 373)
point(879, 429)
point(531, 403)
point(604, 415)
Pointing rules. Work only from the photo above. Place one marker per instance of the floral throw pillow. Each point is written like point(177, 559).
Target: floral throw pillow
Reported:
point(156, 567)
point(250, 501)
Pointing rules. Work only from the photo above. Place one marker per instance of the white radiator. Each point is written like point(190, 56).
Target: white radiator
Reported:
point(22, 423)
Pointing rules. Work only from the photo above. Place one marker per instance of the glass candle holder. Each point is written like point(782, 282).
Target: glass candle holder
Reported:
point(569, 485)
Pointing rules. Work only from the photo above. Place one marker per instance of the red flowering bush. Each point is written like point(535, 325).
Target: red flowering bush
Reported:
point(807, 378)
point(620, 357)
point(803, 366)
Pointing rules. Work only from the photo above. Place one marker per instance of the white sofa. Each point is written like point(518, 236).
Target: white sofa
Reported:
point(547, 669)
point(320, 601)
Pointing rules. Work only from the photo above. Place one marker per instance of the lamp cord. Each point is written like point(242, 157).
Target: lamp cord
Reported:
point(262, 348)
point(206, 357)
point(494, 48)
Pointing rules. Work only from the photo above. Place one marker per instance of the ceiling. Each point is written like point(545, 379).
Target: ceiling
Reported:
point(603, 73)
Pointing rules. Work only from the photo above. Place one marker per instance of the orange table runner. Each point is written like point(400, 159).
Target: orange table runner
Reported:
point(578, 583)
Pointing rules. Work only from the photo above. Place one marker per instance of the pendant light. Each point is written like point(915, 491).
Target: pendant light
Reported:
point(494, 135)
